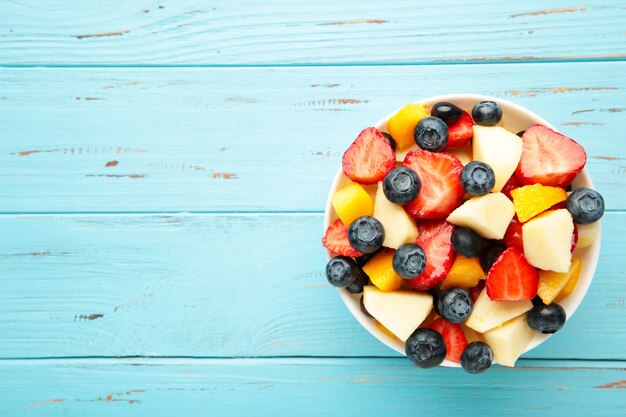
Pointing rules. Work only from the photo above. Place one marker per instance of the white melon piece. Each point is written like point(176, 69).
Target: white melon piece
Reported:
point(510, 340)
point(464, 153)
point(488, 215)
point(587, 234)
point(399, 227)
point(500, 149)
point(399, 311)
point(548, 240)
point(487, 314)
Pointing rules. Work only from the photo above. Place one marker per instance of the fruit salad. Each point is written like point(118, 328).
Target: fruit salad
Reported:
point(462, 236)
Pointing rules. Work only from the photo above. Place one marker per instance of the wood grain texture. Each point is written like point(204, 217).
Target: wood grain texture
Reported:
point(294, 387)
point(183, 32)
point(250, 139)
point(218, 286)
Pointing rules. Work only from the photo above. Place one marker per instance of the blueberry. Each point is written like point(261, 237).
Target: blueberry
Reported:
point(492, 251)
point(361, 280)
point(409, 261)
point(546, 318)
point(392, 142)
point(467, 242)
point(487, 113)
point(431, 134)
point(364, 310)
point(521, 133)
point(455, 305)
point(537, 301)
point(585, 205)
point(362, 260)
point(477, 178)
point(425, 348)
point(447, 112)
point(476, 358)
point(401, 185)
point(341, 271)
point(366, 234)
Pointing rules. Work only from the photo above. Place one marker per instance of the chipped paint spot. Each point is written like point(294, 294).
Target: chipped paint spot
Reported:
point(4, 97)
point(616, 384)
point(615, 109)
point(555, 90)
point(224, 175)
point(26, 153)
point(607, 158)
point(240, 100)
point(583, 111)
point(115, 397)
point(318, 286)
point(353, 22)
point(88, 317)
point(134, 176)
point(330, 102)
point(80, 151)
point(111, 164)
point(617, 303)
point(550, 11)
point(102, 35)
point(582, 124)
point(93, 98)
point(325, 85)
point(45, 253)
point(145, 11)
point(40, 403)
point(536, 58)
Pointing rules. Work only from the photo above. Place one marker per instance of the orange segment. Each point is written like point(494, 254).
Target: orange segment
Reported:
point(402, 124)
point(465, 273)
point(552, 284)
point(381, 273)
point(571, 283)
point(531, 200)
point(352, 202)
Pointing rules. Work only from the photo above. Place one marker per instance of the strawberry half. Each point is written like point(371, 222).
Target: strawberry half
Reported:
point(512, 278)
point(513, 236)
point(549, 158)
point(460, 132)
point(370, 157)
point(574, 238)
point(440, 175)
point(434, 238)
point(453, 336)
point(336, 240)
point(509, 186)
point(474, 292)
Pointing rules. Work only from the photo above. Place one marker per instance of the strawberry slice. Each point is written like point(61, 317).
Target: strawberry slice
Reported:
point(475, 291)
point(440, 175)
point(549, 158)
point(513, 236)
point(434, 238)
point(370, 157)
point(574, 238)
point(336, 240)
point(453, 336)
point(512, 278)
point(460, 132)
point(509, 186)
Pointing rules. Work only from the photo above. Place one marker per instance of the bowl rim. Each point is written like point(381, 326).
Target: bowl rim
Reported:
point(591, 254)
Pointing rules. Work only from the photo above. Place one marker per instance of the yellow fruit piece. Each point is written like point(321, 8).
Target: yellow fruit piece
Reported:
point(571, 283)
point(465, 273)
point(385, 330)
point(531, 200)
point(402, 125)
point(352, 202)
point(381, 273)
point(553, 284)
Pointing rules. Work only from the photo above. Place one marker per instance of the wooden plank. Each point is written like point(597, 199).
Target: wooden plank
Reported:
point(120, 140)
point(218, 286)
point(184, 32)
point(329, 387)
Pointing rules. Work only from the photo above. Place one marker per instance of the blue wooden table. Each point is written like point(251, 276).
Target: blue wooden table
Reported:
point(163, 173)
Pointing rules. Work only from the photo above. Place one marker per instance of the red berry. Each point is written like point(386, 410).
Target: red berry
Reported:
point(510, 185)
point(453, 336)
point(513, 236)
point(512, 278)
point(440, 175)
point(336, 240)
point(574, 238)
point(460, 132)
point(549, 158)
point(369, 159)
point(475, 291)
point(434, 237)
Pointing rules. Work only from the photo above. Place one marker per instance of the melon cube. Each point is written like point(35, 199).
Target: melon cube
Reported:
point(487, 314)
point(548, 240)
point(380, 271)
point(488, 215)
point(500, 149)
point(399, 227)
point(510, 340)
point(352, 202)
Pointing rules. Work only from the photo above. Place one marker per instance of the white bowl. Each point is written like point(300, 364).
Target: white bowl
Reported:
point(515, 118)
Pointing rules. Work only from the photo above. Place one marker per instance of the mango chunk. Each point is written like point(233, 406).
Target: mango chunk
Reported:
point(352, 202)
point(531, 200)
point(555, 286)
point(402, 124)
point(465, 273)
point(381, 272)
